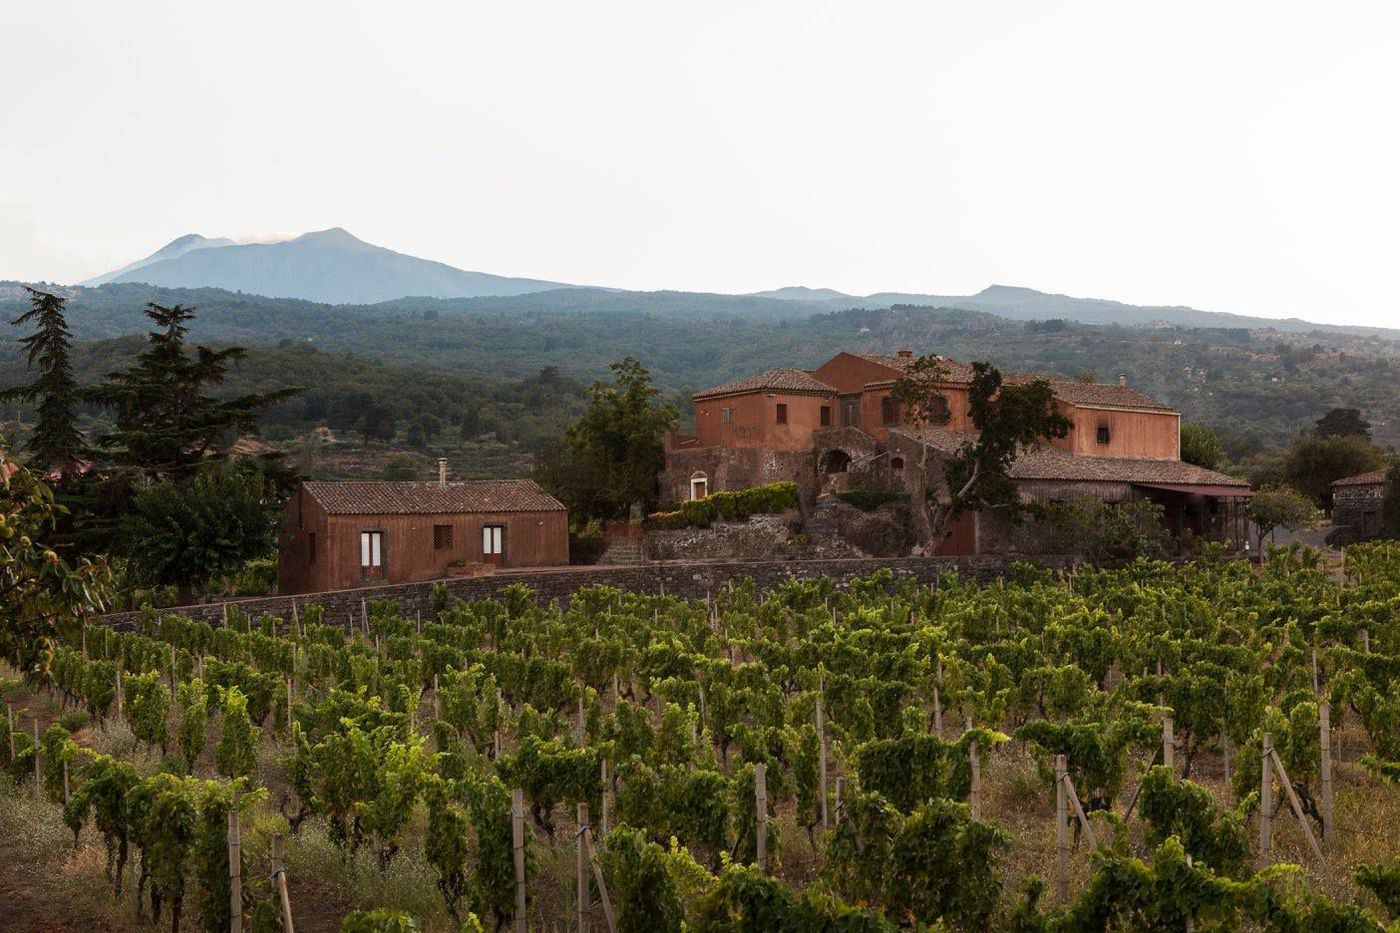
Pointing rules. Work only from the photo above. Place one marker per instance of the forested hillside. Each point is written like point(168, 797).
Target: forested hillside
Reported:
point(478, 361)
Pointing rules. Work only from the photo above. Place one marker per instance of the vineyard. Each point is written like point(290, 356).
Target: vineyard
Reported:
point(1208, 746)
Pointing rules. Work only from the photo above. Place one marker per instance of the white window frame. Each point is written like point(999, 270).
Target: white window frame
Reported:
point(699, 479)
point(493, 540)
point(371, 552)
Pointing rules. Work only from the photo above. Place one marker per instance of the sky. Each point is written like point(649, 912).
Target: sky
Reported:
point(1237, 156)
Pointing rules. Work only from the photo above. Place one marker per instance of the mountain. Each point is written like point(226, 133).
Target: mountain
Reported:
point(172, 250)
point(328, 266)
point(802, 293)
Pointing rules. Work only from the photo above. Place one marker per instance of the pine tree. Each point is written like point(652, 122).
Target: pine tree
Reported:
point(56, 443)
point(166, 422)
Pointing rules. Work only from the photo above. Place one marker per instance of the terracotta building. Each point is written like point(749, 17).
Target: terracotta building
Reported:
point(839, 424)
point(343, 535)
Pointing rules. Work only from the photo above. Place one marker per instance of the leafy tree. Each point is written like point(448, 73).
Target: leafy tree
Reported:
point(1200, 446)
point(167, 423)
point(606, 466)
point(55, 442)
point(1007, 418)
point(1343, 422)
point(1314, 462)
point(40, 592)
point(186, 534)
point(1100, 531)
point(1280, 507)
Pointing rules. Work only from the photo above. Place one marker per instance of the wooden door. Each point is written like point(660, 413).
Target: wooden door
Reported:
point(493, 544)
point(372, 556)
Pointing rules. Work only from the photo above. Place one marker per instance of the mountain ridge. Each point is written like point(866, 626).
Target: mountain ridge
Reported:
point(333, 266)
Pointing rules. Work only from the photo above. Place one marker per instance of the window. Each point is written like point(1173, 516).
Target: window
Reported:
point(371, 554)
point(889, 410)
point(493, 541)
point(850, 411)
point(1102, 436)
point(311, 548)
point(826, 416)
point(939, 413)
point(699, 485)
point(726, 415)
point(442, 537)
point(896, 463)
point(782, 413)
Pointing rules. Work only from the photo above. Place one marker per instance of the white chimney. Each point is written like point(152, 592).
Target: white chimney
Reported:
point(442, 471)
point(1122, 379)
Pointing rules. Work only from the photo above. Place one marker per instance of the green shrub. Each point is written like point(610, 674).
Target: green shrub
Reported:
point(381, 920)
point(728, 506)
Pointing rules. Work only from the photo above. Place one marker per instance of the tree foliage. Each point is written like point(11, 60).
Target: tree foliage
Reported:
point(55, 442)
point(609, 459)
point(1007, 418)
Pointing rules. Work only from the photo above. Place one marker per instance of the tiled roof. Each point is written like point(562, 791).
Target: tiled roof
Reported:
point(1083, 394)
point(779, 380)
point(1362, 479)
point(957, 371)
point(1094, 395)
point(382, 498)
point(1046, 462)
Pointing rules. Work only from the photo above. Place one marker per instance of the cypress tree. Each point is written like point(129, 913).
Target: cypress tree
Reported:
point(56, 443)
point(166, 422)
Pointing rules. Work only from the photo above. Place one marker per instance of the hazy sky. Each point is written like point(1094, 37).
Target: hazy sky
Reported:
point(1232, 156)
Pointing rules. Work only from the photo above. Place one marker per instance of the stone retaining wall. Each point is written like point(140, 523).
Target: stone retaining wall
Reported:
point(692, 579)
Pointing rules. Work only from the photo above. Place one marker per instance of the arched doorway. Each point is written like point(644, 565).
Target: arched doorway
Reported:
point(699, 485)
point(834, 461)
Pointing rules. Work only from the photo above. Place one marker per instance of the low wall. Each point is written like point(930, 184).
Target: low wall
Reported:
point(691, 579)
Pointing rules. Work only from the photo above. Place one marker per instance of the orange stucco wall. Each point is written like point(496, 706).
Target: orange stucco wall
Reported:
point(754, 422)
point(849, 373)
point(1142, 434)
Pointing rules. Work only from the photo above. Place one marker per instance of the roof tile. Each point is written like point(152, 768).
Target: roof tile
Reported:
point(387, 498)
point(1047, 462)
point(781, 380)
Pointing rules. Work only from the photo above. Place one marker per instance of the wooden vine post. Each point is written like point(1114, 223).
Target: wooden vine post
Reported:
point(603, 799)
point(974, 791)
point(1266, 797)
point(821, 760)
point(437, 699)
point(38, 791)
point(938, 702)
point(279, 877)
point(1324, 723)
point(235, 874)
point(172, 672)
point(10, 720)
point(598, 876)
point(760, 793)
point(840, 798)
point(583, 894)
point(517, 838)
point(1168, 744)
point(120, 713)
point(1061, 831)
point(1293, 803)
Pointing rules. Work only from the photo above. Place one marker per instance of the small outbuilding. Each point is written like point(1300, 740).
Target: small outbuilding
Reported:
point(341, 535)
point(1356, 503)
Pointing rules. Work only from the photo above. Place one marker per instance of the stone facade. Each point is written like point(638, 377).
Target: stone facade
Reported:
point(732, 468)
point(1358, 506)
point(691, 580)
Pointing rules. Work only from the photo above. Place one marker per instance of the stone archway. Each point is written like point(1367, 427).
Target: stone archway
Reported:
point(835, 460)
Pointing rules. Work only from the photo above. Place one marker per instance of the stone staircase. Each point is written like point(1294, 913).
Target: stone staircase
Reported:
point(623, 551)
